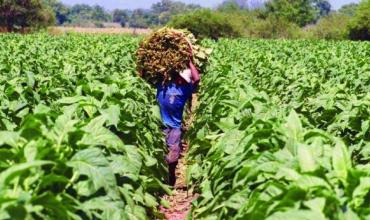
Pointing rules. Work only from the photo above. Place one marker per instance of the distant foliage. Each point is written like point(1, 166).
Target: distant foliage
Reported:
point(82, 14)
point(121, 16)
point(78, 14)
point(273, 28)
point(300, 12)
point(17, 15)
point(332, 27)
point(348, 9)
point(360, 26)
point(242, 4)
point(164, 10)
point(140, 19)
point(207, 24)
point(323, 7)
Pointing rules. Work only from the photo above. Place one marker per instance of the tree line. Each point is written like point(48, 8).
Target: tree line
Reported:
point(232, 18)
point(81, 14)
point(289, 19)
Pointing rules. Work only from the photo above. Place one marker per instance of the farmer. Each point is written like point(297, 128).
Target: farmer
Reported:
point(172, 98)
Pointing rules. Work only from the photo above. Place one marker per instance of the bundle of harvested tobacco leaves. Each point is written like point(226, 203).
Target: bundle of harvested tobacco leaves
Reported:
point(167, 52)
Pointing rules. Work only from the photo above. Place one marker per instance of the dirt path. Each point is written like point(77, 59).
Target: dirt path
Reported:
point(180, 201)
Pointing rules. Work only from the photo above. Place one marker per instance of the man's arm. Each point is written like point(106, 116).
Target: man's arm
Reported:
point(194, 74)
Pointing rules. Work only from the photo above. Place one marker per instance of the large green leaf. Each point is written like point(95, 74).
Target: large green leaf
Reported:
point(92, 163)
point(9, 138)
point(15, 171)
point(294, 132)
point(306, 159)
point(97, 135)
point(341, 161)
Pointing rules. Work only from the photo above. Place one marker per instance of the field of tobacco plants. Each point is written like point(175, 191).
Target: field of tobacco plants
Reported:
point(282, 131)
point(80, 135)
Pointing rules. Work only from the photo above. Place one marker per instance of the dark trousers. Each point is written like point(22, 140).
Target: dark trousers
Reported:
point(173, 141)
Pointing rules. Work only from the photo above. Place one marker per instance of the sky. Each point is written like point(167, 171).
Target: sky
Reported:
point(132, 4)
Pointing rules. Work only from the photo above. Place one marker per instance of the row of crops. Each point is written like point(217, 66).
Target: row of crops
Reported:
point(282, 131)
point(79, 133)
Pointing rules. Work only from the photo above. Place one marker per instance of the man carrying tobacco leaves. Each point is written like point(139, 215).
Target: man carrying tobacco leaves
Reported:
point(166, 61)
point(172, 98)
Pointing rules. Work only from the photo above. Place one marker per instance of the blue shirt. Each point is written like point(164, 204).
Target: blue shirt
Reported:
point(172, 99)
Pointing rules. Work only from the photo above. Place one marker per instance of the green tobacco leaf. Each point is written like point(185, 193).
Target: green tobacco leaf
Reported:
point(85, 188)
point(350, 215)
point(165, 203)
point(150, 201)
point(71, 100)
point(106, 207)
point(112, 115)
point(156, 112)
point(297, 215)
point(360, 192)
point(127, 164)
point(51, 204)
point(52, 179)
point(97, 135)
point(309, 182)
point(93, 164)
point(9, 137)
point(305, 157)
point(30, 151)
point(14, 171)
point(126, 192)
point(294, 132)
point(64, 124)
point(316, 204)
point(226, 124)
point(341, 161)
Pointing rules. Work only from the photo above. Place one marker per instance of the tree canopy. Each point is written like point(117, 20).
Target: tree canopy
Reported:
point(360, 25)
point(348, 9)
point(300, 12)
point(121, 16)
point(19, 14)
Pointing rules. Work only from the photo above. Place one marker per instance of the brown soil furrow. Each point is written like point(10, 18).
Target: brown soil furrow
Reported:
point(180, 201)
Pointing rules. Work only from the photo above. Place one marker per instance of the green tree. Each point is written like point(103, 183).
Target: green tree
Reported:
point(331, 27)
point(273, 28)
point(141, 18)
point(300, 12)
point(99, 14)
point(348, 9)
point(206, 23)
point(61, 11)
point(120, 16)
point(83, 13)
point(19, 14)
point(241, 4)
point(166, 9)
point(229, 6)
point(359, 28)
point(323, 7)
